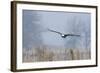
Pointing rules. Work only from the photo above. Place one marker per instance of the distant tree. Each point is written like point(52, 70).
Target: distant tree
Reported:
point(31, 29)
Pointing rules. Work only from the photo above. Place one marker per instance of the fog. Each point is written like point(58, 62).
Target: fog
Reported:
point(36, 23)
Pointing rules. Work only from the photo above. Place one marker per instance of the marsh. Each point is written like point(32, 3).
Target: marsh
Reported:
point(39, 44)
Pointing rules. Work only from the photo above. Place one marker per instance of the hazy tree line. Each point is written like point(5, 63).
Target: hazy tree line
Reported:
point(35, 50)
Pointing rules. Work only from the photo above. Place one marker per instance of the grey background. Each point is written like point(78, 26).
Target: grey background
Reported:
point(36, 23)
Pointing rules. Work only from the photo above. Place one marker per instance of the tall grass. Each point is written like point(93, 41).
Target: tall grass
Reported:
point(54, 54)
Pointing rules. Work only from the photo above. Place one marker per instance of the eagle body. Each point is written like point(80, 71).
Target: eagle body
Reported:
point(63, 35)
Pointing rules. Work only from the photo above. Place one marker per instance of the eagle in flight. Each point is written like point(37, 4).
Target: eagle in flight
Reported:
point(63, 35)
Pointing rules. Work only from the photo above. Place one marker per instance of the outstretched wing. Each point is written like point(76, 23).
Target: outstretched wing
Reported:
point(55, 31)
point(63, 35)
point(72, 35)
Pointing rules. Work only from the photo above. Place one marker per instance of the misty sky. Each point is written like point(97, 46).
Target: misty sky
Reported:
point(36, 23)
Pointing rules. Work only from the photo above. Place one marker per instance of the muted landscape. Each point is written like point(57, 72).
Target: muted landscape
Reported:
point(57, 43)
point(54, 54)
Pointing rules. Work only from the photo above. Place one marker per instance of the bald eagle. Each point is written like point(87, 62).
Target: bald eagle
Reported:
point(63, 35)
